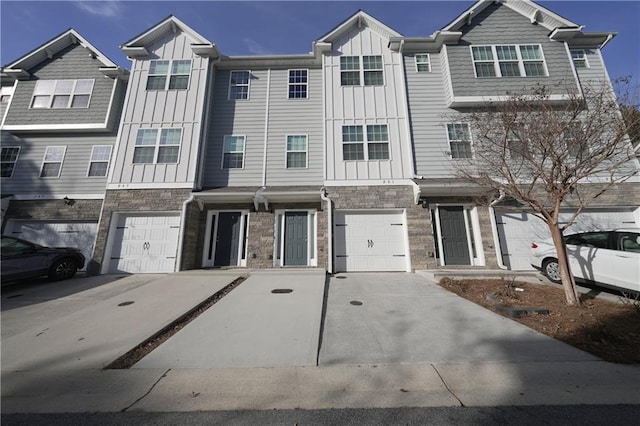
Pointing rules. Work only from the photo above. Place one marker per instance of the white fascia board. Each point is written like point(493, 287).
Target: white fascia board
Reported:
point(57, 196)
point(56, 127)
point(166, 185)
point(465, 101)
point(372, 182)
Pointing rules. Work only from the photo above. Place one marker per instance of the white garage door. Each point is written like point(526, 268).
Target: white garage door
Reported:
point(81, 235)
point(145, 243)
point(372, 241)
point(516, 231)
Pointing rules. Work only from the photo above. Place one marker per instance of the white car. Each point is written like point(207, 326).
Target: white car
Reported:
point(611, 258)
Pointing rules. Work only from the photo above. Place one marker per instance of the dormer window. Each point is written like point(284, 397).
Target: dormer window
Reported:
point(352, 74)
point(524, 60)
point(62, 94)
point(169, 75)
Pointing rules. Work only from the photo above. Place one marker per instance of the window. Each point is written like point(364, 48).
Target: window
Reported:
point(508, 61)
point(233, 152)
point(99, 163)
point(296, 151)
point(372, 72)
point(52, 163)
point(298, 81)
point(62, 94)
point(157, 147)
point(178, 78)
point(239, 84)
point(353, 141)
point(423, 62)
point(8, 158)
point(579, 58)
point(459, 138)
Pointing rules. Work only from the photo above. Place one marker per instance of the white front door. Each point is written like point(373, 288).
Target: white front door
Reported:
point(370, 241)
point(80, 235)
point(145, 243)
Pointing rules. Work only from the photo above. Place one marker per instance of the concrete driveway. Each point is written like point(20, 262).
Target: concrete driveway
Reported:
point(376, 318)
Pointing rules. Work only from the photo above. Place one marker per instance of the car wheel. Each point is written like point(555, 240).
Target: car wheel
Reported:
point(551, 269)
point(63, 269)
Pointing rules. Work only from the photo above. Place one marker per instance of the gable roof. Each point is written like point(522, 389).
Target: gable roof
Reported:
point(171, 24)
point(19, 69)
point(360, 18)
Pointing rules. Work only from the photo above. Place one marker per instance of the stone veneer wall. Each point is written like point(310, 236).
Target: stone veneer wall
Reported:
point(133, 201)
point(87, 210)
point(421, 243)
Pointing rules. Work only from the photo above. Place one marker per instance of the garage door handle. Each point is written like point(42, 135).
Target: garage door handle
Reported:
point(146, 246)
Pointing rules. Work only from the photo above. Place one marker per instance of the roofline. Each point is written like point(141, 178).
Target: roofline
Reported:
point(175, 20)
point(348, 21)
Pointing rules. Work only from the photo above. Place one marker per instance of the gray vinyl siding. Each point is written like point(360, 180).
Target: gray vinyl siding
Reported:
point(596, 73)
point(294, 117)
point(71, 63)
point(429, 115)
point(73, 176)
point(500, 25)
point(241, 118)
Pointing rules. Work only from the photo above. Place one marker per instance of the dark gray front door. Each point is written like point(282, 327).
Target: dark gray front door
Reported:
point(227, 239)
point(454, 236)
point(295, 238)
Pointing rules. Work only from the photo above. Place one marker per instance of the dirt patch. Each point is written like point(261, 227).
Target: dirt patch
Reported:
point(140, 351)
point(608, 330)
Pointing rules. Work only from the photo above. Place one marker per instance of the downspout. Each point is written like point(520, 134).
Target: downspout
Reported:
point(323, 195)
point(266, 130)
point(183, 221)
point(494, 229)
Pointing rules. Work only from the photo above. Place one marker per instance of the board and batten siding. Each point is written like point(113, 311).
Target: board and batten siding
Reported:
point(73, 62)
point(366, 105)
point(73, 175)
point(160, 109)
point(499, 25)
point(429, 115)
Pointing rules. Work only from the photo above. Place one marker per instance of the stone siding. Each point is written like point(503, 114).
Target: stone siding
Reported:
point(52, 210)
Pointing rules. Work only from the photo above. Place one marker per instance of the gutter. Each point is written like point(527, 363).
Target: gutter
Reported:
point(325, 197)
point(494, 230)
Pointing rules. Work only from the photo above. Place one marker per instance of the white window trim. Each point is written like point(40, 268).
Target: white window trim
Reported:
point(156, 147)
point(15, 162)
point(428, 62)
point(91, 161)
point(287, 151)
point(312, 236)
point(64, 153)
point(244, 149)
point(584, 58)
point(169, 74)
point(521, 61)
point(362, 72)
point(365, 142)
point(470, 213)
point(451, 157)
point(209, 261)
point(240, 85)
point(71, 95)
point(289, 84)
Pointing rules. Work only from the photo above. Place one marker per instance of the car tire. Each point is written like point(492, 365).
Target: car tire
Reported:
point(63, 269)
point(551, 269)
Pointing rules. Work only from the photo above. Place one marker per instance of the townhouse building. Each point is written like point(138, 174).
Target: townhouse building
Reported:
point(341, 158)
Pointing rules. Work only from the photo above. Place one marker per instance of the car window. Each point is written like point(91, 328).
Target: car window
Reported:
point(11, 246)
point(591, 239)
point(628, 241)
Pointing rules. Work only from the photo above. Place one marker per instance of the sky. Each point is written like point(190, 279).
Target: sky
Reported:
point(281, 27)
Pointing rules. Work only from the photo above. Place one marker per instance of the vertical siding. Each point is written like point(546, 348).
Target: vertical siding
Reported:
point(74, 62)
point(429, 115)
point(363, 105)
point(162, 109)
point(500, 25)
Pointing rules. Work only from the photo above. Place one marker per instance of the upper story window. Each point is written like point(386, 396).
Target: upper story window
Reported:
point(169, 75)
point(296, 151)
point(233, 152)
point(371, 72)
point(298, 84)
point(377, 141)
point(459, 138)
point(525, 60)
point(157, 147)
point(52, 162)
point(423, 62)
point(239, 84)
point(579, 57)
point(99, 162)
point(8, 159)
point(62, 94)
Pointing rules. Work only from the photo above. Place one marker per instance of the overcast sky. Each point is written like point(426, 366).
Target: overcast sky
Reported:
point(282, 27)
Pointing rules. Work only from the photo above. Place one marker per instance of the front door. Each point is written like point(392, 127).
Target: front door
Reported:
point(453, 235)
point(227, 239)
point(295, 238)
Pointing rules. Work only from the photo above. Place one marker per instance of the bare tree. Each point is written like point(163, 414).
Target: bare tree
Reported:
point(548, 154)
